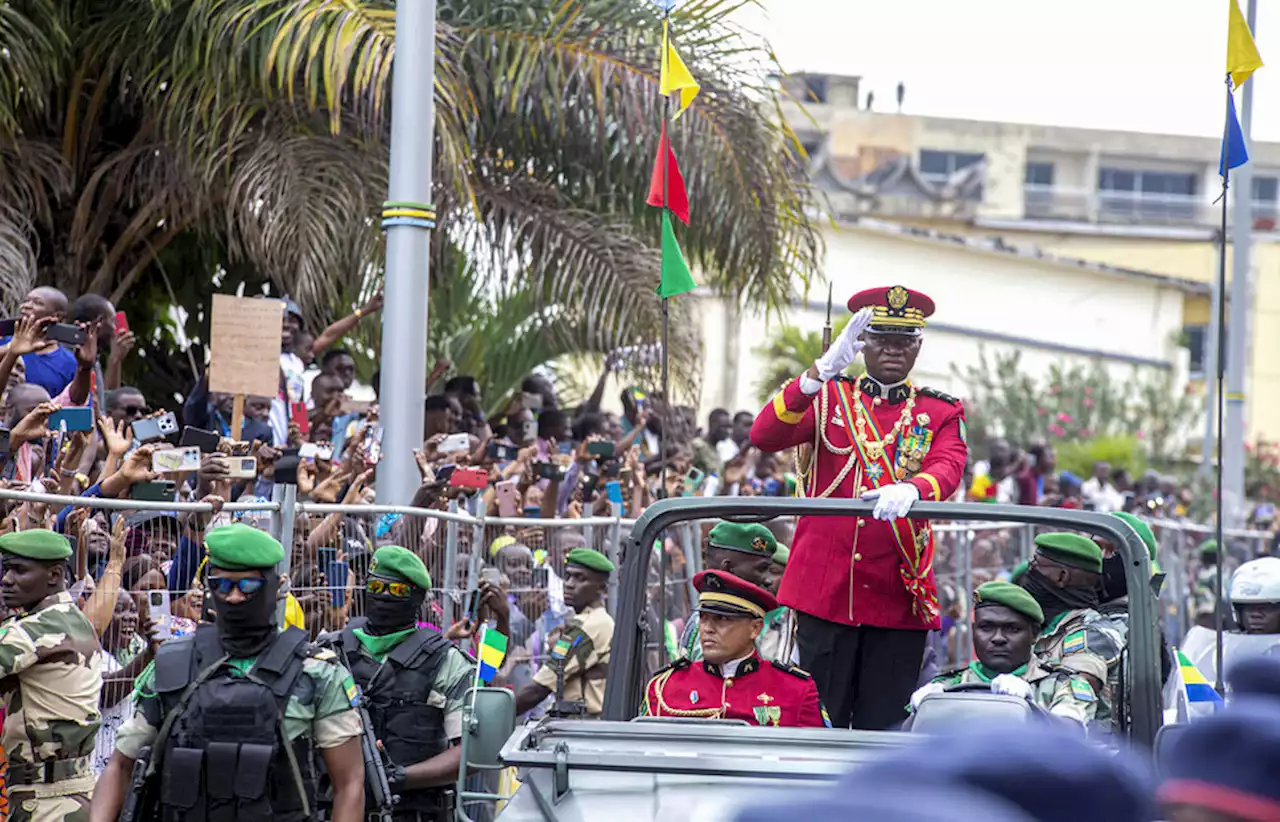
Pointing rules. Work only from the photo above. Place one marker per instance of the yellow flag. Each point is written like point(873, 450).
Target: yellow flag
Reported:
point(1242, 53)
point(675, 74)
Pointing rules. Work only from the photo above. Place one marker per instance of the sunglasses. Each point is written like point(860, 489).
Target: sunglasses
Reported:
point(223, 586)
point(382, 586)
point(135, 410)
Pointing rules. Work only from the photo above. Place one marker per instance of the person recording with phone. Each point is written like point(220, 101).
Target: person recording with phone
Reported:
point(45, 361)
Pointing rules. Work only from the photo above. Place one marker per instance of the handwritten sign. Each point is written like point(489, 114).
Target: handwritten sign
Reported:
point(245, 342)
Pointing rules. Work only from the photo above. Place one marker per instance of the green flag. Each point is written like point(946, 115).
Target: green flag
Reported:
point(676, 278)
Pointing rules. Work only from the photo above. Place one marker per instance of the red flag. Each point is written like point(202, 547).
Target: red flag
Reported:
point(677, 197)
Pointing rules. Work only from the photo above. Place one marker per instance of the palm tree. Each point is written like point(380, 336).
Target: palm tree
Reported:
point(142, 136)
point(788, 351)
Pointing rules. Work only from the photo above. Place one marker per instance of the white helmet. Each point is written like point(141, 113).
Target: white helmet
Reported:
point(1257, 581)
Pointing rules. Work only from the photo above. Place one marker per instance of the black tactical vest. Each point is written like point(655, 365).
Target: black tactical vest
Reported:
point(395, 694)
point(226, 758)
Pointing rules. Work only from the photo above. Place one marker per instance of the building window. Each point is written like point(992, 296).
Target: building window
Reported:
point(815, 86)
point(1038, 174)
point(1196, 339)
point(940, 165)
point(1265, 189)
point(1130, 195)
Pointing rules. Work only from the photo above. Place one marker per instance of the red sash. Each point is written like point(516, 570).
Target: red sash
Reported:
point(915, 547)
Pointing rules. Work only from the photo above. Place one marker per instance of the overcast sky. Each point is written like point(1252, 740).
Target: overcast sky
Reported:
point(1132, 65)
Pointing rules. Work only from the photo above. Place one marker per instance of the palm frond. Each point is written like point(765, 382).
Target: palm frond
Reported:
point(33, 44)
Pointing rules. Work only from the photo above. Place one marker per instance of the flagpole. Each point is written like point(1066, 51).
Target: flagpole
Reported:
point(1220, 376)
point(665, 154)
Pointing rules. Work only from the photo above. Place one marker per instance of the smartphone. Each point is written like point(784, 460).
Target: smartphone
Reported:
point(158, 491)
point(72, 419)
point(371, 445)
point(346, 405)
point(206, 441)
point(565, 448)
point(692, 480)
point(604, 450)
point(155, 428)
point(4, 440)
point(501, 452)
point(159, 612)
point(529, 431)
point(550, 471)
point(473, 606)
point(298, 416)
point(176, 460)
point(335, 575)
point(531, 401)
point(66, 334)
point(588, 485)
point(454, 443)
point(308, 450)
point(610, 469)
point(239, 467)
point(122, 322)
point(506, 492)
point(491, 575)
point(325, 556)
point(613, 490)
point(476, 478)
point(444, 473)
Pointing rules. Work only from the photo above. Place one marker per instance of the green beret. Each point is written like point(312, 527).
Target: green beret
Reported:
point(589, 559)
point(1010, 596)
point(46, 546)
point(394, 562)
point(1019, 571)
point(1073, 550)
point(749, 538)
point(241, 547)
point(1209, 546)
point(781, 555)
point(1143, 530)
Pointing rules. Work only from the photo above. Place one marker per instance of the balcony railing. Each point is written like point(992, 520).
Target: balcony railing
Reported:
point(1042, 202)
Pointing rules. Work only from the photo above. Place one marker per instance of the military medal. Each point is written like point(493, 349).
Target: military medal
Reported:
point(693, 697)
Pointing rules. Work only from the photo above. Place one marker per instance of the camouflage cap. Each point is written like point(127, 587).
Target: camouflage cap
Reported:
point(1010, 596)
point(748, 538)
point(39, 543)
point(242, 547)
point(590, 559)
point(394, 562)
point(1072, 550)
point(781, 555)
point(1142, 529)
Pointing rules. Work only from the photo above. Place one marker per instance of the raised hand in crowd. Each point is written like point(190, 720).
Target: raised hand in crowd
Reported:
point(34, 426)
point(356, 491)
point(135, 469)
point(29, 335)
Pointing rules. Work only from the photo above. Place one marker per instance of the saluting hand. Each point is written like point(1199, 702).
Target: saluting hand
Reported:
point(842, 352)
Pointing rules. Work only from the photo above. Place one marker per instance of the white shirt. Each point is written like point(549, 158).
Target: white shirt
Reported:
point(1102, 495)
point(295, 390)
point(730, 668)
point(726, 449)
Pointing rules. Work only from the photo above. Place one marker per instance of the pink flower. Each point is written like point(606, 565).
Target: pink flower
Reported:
point(1063, 416)
point(1088, 392)
point(1140, 435)
point(1088, 403)
point(1057, 430)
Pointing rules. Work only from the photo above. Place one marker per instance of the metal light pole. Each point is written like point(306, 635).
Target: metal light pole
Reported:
point(1240, 307)
point(408, 217)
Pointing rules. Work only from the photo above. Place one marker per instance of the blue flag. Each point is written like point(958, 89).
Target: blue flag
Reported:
point(1234, 154)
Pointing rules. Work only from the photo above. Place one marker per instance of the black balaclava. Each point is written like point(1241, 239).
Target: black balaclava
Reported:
point(387, 614)
point(1114, 584)
point(247, 628)
point(1054, 601)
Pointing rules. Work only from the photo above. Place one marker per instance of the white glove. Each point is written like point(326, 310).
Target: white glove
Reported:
point(922, 692)
point(842, 351)
point(1010, 685)
point(893, 501)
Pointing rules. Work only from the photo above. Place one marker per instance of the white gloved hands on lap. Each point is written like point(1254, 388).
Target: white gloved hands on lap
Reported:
point(893, 501)
point(1011, 685)
point(842, 351)
point(923, 691)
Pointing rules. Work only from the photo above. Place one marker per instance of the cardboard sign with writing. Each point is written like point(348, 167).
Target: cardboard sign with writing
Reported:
point(244, 339)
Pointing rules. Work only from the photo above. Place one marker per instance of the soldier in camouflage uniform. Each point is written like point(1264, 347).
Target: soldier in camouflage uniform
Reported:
point(52, 681)
point(239, 698)
point(1204, 594)
point(1065, 578)
point(1006, 621)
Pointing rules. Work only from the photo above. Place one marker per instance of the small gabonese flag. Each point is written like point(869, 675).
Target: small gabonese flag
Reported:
point(493, 649)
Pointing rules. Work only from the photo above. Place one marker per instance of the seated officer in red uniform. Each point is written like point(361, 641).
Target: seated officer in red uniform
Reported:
point(863, 587)
point(732, 681)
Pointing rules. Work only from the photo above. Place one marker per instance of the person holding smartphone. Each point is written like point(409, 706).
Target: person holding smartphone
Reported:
point(46, 362)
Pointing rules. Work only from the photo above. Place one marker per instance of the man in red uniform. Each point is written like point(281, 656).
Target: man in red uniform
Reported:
point(863, 588)
point(732, 681)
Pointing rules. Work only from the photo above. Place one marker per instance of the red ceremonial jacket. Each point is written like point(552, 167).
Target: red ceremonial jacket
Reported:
point(762, 693)
point(859, 570)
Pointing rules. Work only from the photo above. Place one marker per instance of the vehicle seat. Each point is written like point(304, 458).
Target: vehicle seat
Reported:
point(941, 712)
